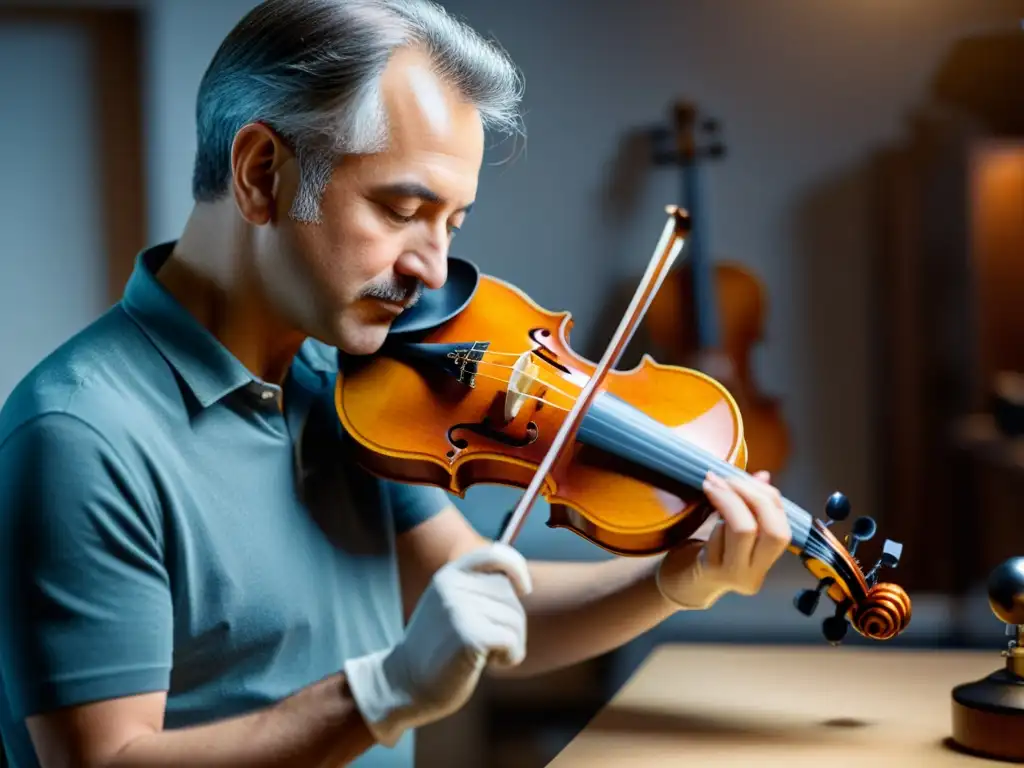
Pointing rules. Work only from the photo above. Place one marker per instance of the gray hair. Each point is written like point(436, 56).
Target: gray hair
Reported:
point(310, 70)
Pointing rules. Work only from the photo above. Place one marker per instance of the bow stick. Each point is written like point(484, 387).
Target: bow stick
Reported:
point(671, 242)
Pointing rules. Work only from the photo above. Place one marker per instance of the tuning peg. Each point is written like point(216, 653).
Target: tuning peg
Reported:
point(891, 552)
point(837, 508)
point(806, 600)
point(709, 124)
point(863, 529)
point(834, 627)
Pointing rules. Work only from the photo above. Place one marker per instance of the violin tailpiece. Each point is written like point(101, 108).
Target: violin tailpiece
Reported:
point(459, 360)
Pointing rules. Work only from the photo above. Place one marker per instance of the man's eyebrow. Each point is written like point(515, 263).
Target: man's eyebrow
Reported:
point(414, 189)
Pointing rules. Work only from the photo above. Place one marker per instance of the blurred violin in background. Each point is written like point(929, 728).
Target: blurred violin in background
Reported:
point(709, 316)
point(476, 383)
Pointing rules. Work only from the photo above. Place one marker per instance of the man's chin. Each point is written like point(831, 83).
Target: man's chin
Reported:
point(364, 339)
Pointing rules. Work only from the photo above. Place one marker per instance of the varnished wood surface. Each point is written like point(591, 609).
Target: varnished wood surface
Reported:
point(742, 301)
point(989, 733)
point(751, 706)
point(401, 416)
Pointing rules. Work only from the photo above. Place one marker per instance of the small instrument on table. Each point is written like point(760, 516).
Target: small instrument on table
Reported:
point(709, 315)
point(988, 714)
point(478, 384)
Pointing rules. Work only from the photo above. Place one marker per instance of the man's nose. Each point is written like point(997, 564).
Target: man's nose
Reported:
point(429, 265)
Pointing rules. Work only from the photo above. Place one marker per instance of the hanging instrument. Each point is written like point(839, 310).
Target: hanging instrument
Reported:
point(709, 312)
point(478, 384)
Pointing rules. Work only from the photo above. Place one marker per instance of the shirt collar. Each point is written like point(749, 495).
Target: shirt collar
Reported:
point(204, 364)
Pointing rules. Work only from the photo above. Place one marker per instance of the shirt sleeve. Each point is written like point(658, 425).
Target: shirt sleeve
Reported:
point(413, 504)
point(85, 606)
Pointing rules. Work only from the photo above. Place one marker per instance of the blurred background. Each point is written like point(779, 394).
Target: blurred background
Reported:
point(869, 188)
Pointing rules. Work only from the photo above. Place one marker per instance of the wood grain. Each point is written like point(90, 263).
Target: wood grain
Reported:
point(794, 706)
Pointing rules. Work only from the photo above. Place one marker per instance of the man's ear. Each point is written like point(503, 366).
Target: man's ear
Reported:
point(257, 157)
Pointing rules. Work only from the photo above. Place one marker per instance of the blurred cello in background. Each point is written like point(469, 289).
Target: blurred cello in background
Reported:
point(709, 316)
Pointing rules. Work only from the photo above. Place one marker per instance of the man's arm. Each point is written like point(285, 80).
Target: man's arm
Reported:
point(318, 726)
point(581, 610)
point(86, 622)
point(575, 612)
point(578, 611)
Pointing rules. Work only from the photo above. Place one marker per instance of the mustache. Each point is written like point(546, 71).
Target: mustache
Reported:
point(400, 290)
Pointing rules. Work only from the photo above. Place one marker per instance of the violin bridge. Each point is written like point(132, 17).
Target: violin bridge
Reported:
point(520, 383)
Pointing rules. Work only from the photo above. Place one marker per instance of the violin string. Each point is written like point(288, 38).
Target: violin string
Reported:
point(694, 466)
point(498, 353)
point(688, 460)
point(543, 400)
point(690, 456)
point(690, 463)
point(535, 379)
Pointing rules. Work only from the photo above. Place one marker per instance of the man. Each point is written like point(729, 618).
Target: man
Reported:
point(191, 571)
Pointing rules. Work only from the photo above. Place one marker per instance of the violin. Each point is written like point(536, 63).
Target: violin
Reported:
point(709, 311)
point(477, 383)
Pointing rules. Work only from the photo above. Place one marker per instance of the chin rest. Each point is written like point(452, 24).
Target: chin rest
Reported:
point(437, 307)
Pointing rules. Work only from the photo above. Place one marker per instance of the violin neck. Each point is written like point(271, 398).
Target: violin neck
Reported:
point(704, 304)
point(615, 427)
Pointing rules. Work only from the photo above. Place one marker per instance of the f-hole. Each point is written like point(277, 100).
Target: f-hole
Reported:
point(485, 427)
point(546, 355)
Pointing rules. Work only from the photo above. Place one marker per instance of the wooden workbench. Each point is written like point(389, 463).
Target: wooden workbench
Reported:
point(751, 706)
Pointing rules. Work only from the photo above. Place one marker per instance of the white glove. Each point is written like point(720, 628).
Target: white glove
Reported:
point(468, 618)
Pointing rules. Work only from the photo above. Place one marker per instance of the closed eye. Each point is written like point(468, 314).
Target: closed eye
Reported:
point(396, 216)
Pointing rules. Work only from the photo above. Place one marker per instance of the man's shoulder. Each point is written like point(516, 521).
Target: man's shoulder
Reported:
point(317, 360)
point(89, 379)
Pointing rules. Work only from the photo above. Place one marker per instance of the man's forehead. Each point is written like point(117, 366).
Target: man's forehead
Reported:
point(433, 102)
point(425, 111)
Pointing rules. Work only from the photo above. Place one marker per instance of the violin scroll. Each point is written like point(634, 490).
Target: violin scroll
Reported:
point(884, 613)
point(876, 610)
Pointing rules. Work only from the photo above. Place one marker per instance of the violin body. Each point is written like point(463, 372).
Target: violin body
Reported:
point(422, 424)
point(487, 389)
point(742, 306)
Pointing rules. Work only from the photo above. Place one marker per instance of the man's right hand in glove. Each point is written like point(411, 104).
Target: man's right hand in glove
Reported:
point(469, 617)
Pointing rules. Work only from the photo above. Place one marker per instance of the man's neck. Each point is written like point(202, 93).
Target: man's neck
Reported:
point(209, 273)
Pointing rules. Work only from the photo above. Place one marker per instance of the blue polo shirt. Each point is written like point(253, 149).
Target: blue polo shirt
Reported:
point(165, 526)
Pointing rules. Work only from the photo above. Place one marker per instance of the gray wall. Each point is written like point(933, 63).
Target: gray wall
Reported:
point(52, 279)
